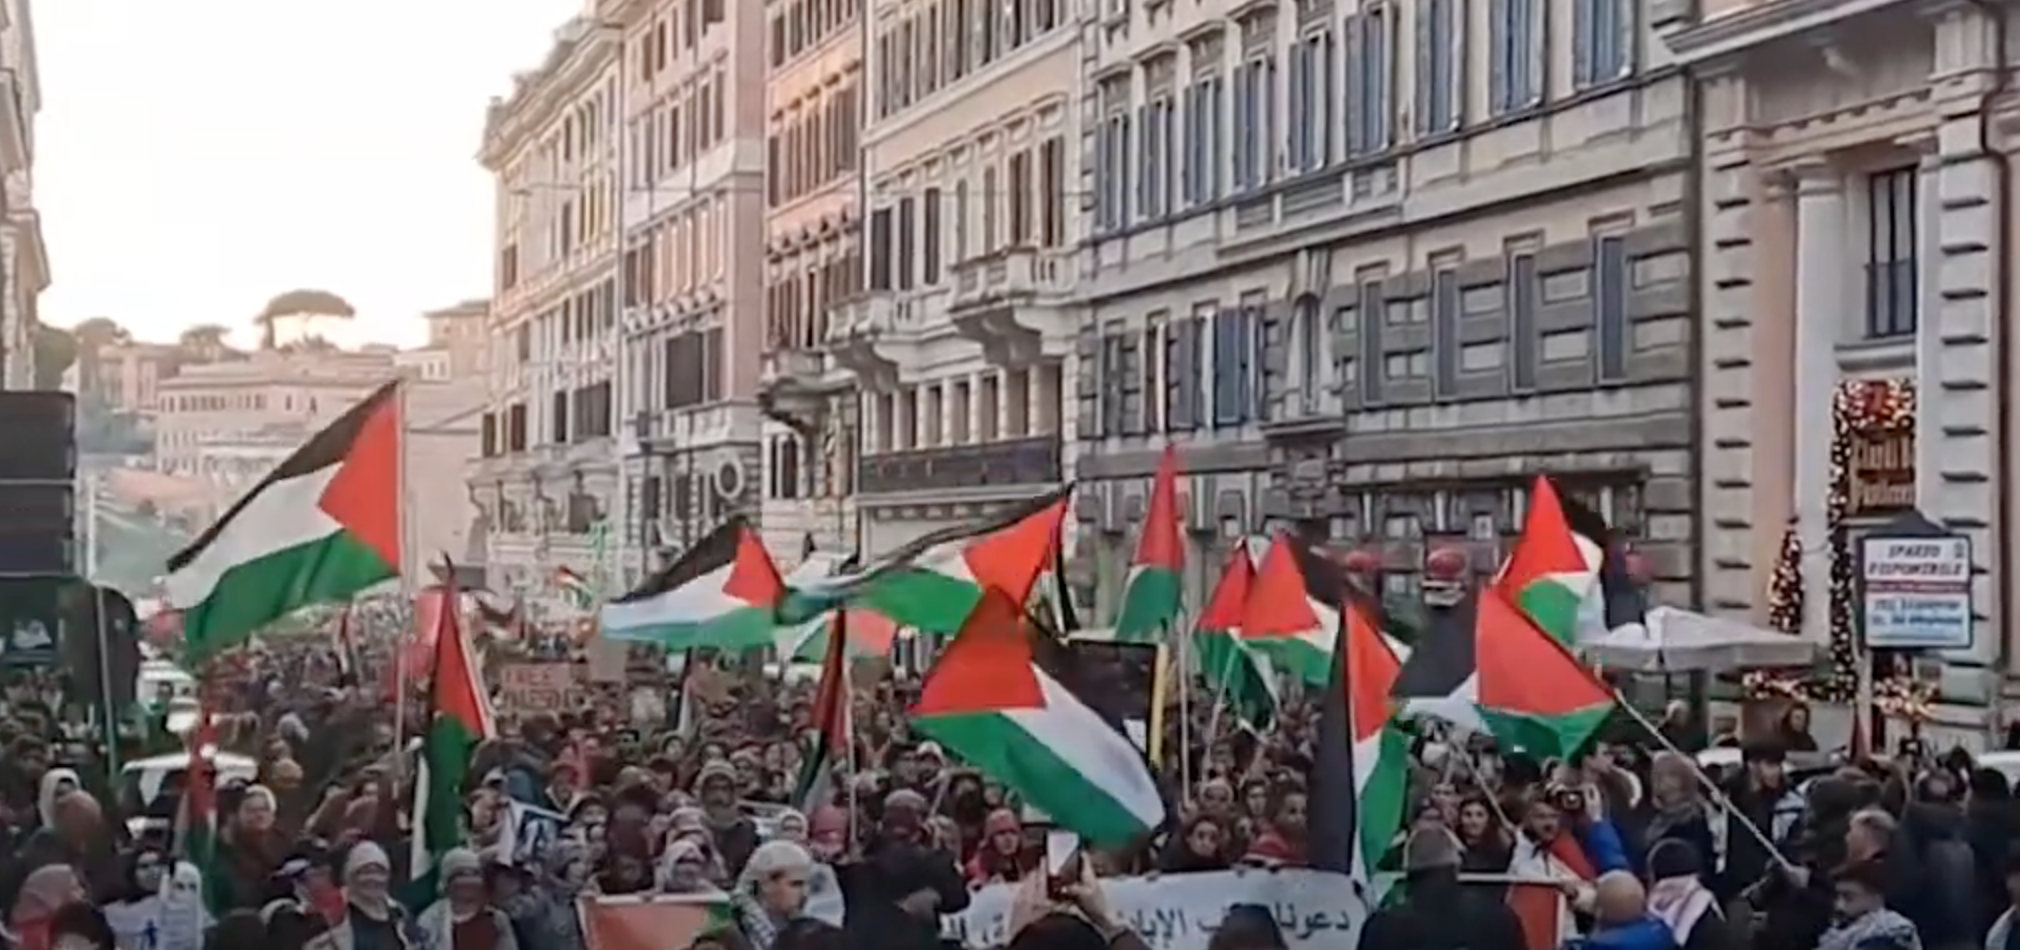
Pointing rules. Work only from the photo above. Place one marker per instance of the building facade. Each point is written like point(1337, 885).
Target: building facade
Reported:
point(546, 474)
point(959, 343)
point(1372, 266)
point(1855, 208)
point(693, 79)
point(813, 261)
point(125, 378)
point(24, 259)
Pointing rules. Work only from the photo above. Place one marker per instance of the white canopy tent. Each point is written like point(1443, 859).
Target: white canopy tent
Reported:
point(1674, 640)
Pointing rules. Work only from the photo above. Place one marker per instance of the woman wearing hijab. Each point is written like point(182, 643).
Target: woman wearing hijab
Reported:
point(463, 918)
point(184, 918)
point(1001, 857)
point(134, 914)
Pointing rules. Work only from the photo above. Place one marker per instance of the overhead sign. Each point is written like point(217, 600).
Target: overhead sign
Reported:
point(1916, 592)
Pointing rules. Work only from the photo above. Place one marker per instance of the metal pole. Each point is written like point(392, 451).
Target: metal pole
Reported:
point(106, 716)
point(620, 377)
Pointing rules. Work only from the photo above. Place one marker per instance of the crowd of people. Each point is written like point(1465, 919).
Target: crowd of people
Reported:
point(314, 851)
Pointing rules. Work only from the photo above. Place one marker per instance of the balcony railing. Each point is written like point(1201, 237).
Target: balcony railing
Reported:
point(1033, 461)
point(1012, 273)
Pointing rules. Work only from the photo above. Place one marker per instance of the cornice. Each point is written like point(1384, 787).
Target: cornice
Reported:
point(538, 97)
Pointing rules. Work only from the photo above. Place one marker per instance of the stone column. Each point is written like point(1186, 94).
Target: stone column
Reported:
point(1822, 273)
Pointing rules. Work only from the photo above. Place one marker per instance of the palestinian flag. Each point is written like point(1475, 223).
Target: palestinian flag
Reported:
point(1289, 613)
point(831, 723)
point(575, 588)
point(459, 719)
point(723, 593)
point(1566, 573)
point(1361, 762)
point(1530, 691)
point(321, 527)
point(993, 702)
point(1244, 679)
point(196, 816)
point(865, 632)
point(1151, 599)
point(934, 583)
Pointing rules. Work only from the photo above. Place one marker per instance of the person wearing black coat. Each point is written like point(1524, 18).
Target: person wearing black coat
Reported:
point(898, 890)
point(1437, 912)
point(1678, 897)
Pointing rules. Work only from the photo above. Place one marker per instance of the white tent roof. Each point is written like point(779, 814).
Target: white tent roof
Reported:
point(1682, 641)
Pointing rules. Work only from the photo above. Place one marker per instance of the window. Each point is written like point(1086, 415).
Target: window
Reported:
point(1111, 169)
point(1310, 352)
point(929, 225)
point(880, 249)
point(903, 255)
point(785, 468)
point(1368, 87)
point(960, 221)
point(1445, 341)
point(1515, 55)
point(1020, 198)
point(1052, 191)
point(1204, 134)
point(992, 193)
point(1892, 233)
point(1609, 301)
point(1439, 61)
point(1254, 97)
point(1233, 351)
point(1154, 184)
point(1374, 316)
point(1312, 102)
point(1602, 41)
point(1522, 301)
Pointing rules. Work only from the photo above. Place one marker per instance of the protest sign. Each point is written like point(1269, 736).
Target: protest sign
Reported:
point(656, 922)
point(537, 687)
point(1317, 910)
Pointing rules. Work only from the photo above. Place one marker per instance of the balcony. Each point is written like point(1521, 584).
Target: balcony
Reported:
point(794, 385)
point(1016, 302)
point(1019, 463)
point(867, 337)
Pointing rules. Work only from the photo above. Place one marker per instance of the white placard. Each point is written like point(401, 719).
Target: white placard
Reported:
point(1917, 592)
point(1317, 910)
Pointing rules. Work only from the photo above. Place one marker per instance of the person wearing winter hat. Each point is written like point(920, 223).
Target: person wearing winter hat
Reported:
point(1677, 897)
point(1436, 910)
point(372, 919)
point(463, 919)
point(1002, 856)
point(295, 919)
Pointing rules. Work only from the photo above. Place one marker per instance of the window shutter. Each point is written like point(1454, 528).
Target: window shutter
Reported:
point(1426, 92)
point(1087, 386)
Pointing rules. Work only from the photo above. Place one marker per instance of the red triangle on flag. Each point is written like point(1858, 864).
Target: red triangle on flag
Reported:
point(456, 692)
point(1160, 546)
point(1523, 670)
point(1011, 558)
point(1372, 668)
point(365, 495)
point(753, 578)
point(987, 666)
point(1225, 607)
point(1547, 546)
point(1277, 605)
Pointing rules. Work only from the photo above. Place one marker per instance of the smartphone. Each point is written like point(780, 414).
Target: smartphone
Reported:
point(1062, 864)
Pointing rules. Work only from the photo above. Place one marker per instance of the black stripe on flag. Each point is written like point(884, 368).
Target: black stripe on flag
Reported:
point(326, 448)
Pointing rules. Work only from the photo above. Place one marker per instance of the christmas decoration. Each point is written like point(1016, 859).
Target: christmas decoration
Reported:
point(1361, 561)
point(1902, 697)
point(1860, 408)
point(1446, 564)
point(1785, 586)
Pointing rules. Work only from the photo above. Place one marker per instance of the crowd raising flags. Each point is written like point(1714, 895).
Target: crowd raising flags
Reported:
point(328, 523)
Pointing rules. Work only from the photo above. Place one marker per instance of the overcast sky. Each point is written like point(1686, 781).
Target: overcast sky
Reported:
point(199, 156)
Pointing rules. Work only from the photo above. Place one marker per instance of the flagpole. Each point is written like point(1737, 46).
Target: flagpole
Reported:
point(109, 728)
point(400, 670)
point(1184, 676)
